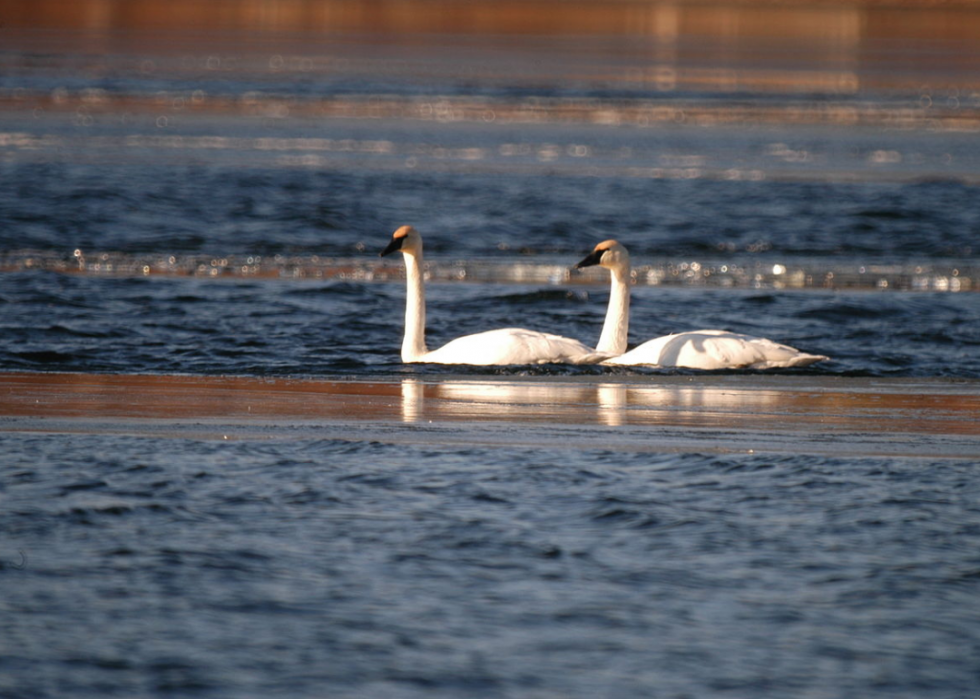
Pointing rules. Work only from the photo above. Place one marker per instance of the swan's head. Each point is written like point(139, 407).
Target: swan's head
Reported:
point(406, 239)
point(609, 254)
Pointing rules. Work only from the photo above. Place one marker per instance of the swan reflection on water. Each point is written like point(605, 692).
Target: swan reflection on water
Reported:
point(609, 403)
point(412, 399)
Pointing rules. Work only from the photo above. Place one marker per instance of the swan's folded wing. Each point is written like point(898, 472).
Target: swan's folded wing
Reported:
point(714, 349)
point(509, 346)
point(773, 355)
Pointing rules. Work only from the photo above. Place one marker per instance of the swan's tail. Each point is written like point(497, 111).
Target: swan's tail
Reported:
point(799, 360)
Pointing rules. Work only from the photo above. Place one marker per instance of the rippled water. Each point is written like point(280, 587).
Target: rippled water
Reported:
point(309, 566)
point(197, 268)
point(314, 328)
point(212, 203)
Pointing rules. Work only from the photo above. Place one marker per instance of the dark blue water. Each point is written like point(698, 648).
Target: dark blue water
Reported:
point(173, 567)
point(200, 216)
point(58, 322)
point(158, 219)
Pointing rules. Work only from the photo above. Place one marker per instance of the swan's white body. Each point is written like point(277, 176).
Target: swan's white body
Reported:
point(494, 347)
point(507, 346)
point(696, 349)
point(714, 349)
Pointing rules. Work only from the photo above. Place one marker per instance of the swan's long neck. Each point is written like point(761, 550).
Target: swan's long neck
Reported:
point(413, 346)
point(615, 329)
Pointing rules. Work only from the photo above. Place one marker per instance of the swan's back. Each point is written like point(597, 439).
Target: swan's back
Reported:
point(511, 346)
point(715, 349)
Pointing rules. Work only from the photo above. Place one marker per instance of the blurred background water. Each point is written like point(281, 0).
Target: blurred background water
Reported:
point(203, 188)
point(738, 150)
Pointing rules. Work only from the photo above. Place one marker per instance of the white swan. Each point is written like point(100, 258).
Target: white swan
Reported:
point(695, 349)
point(494, 347)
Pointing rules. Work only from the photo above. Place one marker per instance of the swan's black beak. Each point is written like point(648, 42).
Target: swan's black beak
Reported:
point(394, 246)
point(591, 259)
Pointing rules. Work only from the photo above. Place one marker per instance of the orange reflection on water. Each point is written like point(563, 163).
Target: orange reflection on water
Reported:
point(664, 19)
point(740, 45)
point(711, 401)
point(773, 413)
point(157, 397)
point(756, 403)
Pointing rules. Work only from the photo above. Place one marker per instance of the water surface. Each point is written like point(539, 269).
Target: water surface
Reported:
point(218, 479)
